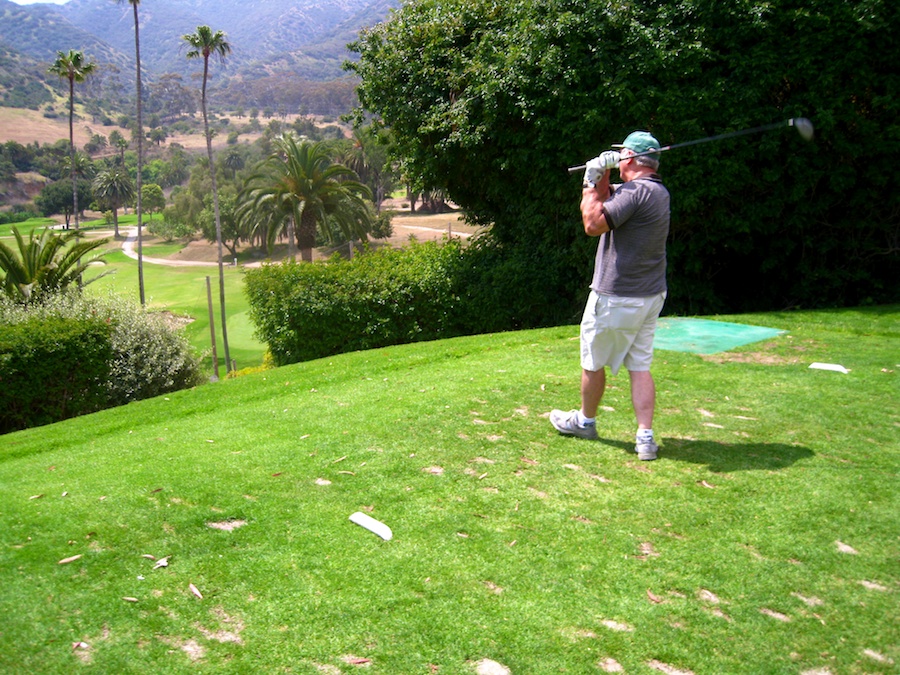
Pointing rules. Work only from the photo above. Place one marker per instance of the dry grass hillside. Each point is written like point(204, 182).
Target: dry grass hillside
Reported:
point(27, 126)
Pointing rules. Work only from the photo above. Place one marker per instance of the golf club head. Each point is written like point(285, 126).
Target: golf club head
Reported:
point(804, 127)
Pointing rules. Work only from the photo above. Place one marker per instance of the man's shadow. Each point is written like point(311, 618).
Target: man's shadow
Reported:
point(726, 457)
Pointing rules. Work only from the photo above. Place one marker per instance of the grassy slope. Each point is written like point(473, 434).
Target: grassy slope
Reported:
point(511, 542)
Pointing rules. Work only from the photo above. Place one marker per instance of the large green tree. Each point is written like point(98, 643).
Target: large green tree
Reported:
point(204, 43)
point(56, 197)
point(74, 67)
point(299, 187)
point(492, 101)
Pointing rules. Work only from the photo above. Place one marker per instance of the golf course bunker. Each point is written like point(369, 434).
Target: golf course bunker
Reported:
point(703, 336)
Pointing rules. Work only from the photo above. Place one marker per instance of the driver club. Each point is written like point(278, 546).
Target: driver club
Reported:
point(803, 126)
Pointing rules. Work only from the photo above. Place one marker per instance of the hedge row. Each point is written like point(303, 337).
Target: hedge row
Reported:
point(388, 297)
point(52, 369)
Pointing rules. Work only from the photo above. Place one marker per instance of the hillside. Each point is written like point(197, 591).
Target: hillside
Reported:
point(307, 36)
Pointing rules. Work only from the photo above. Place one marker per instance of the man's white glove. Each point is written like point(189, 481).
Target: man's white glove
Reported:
point(598, 166)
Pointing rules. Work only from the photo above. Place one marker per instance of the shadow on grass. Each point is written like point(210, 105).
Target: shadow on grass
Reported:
point(726, 457)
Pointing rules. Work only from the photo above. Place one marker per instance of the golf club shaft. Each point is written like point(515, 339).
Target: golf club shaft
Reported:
point(710, 139)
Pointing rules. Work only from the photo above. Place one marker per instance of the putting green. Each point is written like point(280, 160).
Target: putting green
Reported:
point(702, 336)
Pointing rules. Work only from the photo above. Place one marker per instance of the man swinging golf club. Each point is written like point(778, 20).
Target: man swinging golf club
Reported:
point(628, 288)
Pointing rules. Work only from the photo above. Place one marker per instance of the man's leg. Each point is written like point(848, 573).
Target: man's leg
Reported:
point(643, 397)
point(593, 385)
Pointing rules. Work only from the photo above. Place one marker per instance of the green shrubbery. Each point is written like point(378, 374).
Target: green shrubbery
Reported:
point(73, 355)
point(52, 368)
point(389, 297)
point(490, 102)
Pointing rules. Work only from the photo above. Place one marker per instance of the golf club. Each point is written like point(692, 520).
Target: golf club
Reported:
point(804, 128)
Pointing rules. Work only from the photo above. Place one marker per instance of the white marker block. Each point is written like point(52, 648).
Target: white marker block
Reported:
point(829, 366)
point(372, 525)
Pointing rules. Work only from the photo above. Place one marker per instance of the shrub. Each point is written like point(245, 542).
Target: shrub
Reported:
point(52, 368)
point(392, 296)
point(142, 356)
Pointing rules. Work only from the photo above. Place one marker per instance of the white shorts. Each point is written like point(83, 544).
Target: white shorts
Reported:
point(617, 331)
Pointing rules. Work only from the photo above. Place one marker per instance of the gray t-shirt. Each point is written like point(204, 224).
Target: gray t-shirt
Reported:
point(631, 257)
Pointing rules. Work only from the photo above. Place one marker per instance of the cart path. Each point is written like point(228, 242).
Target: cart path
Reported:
point(128, 247)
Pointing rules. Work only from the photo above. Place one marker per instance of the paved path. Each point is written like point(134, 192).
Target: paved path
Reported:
point(128, 249)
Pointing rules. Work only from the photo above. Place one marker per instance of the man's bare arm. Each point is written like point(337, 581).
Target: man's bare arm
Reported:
point(592, 215)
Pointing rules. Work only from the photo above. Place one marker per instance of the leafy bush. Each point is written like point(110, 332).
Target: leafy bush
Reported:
point(142, 356)
point(8, 217)
point(392, 296)
point(491, 101)
point(52, 368)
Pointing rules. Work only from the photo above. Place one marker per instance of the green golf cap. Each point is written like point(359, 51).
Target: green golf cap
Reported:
point(639, 141)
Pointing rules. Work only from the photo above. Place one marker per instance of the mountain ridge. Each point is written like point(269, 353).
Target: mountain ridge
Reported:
point(302, 39)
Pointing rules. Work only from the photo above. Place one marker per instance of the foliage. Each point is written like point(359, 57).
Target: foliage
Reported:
point(114, 188)
point(52, 369)
point(144, 357)
point(74, 67)
point(46, 264)
point(492, 101)
point(152, 198)
point(388, 297)
point(231, 230)
point(299, 184)
point(170, 227)
point(56, 198)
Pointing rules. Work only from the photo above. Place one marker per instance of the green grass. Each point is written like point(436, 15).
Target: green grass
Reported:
point(182, 291)
point(25, 228)
point(510, 542)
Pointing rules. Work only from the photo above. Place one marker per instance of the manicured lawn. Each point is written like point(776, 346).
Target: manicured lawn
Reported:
point(764, 539)
point(182, 291)
point(25, 228)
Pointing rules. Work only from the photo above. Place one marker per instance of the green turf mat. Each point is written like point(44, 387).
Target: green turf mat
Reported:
point(702, 336)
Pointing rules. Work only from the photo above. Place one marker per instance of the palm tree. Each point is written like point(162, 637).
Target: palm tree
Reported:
point(204, 43)
point(299, 185)
point(45, 264)
point(140, 147)
point(120, 143)
point(234, 161)
point(74, 68)
point(114, 187)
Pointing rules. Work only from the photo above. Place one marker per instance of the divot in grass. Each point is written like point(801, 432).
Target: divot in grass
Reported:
point(708, 596)
point(775, 615)
point(667, 669)
point(227, 525)
point(872, 586)
point(610, 665)
point(489, 667)
point(811, 601)
point(844, 548)
point(876, 656)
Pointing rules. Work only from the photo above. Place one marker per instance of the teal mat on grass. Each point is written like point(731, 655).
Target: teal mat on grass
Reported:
point(702, 336)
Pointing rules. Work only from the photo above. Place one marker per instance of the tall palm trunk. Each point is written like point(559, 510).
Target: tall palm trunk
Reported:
point(306, 235)
point(140, 157)
point(215, 193)
point(72, 172)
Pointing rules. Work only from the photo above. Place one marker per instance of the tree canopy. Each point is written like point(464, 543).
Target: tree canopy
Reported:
point(492, 101)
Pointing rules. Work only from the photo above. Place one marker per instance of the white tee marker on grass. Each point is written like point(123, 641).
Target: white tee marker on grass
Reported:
point(372, 525)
